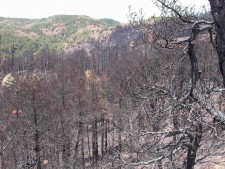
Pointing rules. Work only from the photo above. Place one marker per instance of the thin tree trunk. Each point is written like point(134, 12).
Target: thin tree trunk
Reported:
point(1, 161)
point(95, 143)
point(119, 137)
point(82, 146)
point(106, 137)
point(102, 136)
point(120, 127)
point(88, 140)
point(77, 144)
point(36, 137)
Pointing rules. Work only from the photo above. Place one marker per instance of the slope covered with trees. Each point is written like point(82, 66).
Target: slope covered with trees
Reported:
point(54, 33)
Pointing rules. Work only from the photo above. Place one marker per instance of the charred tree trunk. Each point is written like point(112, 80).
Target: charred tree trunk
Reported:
point(65, 140)
point(88, 142)
point(102, 135)
point(1, 155)
point(82, 146)
point(106, 137)
point(193, 147)
point(218, 13)
point(95, 142)
point(1, 161)
point(194, 62)
point(120, 122)
point(36, 147)
point(77, 144)
point(120, 137)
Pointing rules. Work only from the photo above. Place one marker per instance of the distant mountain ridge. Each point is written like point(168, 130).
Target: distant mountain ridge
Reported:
point(55, 33)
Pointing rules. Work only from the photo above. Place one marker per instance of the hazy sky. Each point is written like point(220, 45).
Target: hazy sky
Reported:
point(115, 9)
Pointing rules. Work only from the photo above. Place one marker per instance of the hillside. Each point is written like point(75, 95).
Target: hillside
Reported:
point(55, 33)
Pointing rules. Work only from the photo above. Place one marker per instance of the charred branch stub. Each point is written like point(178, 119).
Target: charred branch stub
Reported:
point(196, 28)
point(13, 49)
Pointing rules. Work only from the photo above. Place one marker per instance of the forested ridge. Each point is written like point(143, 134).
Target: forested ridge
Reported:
point(55, 33)
point(149, 94)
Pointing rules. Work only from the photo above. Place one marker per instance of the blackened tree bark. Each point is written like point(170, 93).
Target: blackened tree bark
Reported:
point(77, 143)
point(95, 142)
point(82, 146)
point(66, 142)
point(36, 135)
point(102, 135)
point(193, 147)
point(120, 122)
point(218, 13)
point(81, 125)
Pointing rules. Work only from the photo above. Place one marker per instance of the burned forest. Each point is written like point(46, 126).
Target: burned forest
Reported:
point(148, 94)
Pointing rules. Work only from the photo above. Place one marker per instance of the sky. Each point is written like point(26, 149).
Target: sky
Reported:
point(114, 9)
